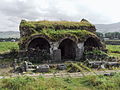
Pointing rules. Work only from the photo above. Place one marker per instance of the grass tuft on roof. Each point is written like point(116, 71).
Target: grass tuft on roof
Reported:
point(57, 25)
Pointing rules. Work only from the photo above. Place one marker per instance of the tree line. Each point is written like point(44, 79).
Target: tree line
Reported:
point(9, 39)
point(109, 35)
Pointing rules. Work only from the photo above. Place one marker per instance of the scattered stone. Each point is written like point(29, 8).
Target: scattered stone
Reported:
point(4, 65)
point(1, 77)
point(1, 57)
point(14, 64)
point(24, 67)
point(43, 68)
point(61, 67)
point(110, 74)
point(113, 63)
point(102, 64)
point(95, 64)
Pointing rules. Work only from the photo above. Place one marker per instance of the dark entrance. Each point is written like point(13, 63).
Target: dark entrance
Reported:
point(39, 50)
point(39, 44)
point(90, 44)
point(68, 49)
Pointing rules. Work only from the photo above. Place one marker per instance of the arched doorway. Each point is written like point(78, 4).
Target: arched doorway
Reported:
point(38, 50)
point(91, 43)
point(39, 44)
point(68, 49)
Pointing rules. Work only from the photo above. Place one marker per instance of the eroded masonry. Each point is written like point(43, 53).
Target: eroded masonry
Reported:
point(62, 40)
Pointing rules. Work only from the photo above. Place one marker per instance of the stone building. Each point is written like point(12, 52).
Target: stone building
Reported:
point(63, 40)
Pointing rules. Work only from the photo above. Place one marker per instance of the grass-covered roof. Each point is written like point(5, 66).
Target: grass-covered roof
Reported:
point(57, 25)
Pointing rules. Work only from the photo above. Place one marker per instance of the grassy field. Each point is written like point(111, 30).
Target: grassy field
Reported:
point(7, 46)
point(114, 50)
point(113, 47)
point(40, 83)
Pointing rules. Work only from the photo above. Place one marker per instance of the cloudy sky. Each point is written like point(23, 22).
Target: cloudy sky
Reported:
point(96, 11)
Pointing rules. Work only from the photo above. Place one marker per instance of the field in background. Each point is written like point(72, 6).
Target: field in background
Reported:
point(7, 46)
point(113, 50)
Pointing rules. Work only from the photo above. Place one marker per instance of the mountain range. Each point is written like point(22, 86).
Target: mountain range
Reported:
point(104, 28)
point(9, 34)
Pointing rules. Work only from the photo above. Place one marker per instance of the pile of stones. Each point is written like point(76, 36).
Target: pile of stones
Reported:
point(102, 64)
point(27, 66)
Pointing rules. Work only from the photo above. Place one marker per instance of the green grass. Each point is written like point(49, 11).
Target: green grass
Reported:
point(114, 55)
point(7, 46)
point(81, 34)
point(112, 49)
point(40, 83)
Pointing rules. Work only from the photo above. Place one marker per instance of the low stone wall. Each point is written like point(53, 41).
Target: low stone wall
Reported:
point(112, 42)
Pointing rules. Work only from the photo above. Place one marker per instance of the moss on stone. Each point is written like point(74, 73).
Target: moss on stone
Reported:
point(57, 25)
point(54, 35)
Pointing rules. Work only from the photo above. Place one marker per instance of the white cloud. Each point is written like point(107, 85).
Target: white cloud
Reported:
point(97, 11)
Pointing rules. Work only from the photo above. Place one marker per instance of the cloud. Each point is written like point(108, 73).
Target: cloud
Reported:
point(97, 11)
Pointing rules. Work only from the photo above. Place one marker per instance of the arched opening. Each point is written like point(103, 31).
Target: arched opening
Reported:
point(91, 43)
point(39, 50)
point(39, 44)
point(68, 49)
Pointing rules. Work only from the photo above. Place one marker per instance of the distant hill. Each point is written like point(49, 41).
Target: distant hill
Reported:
point(9, 34)
point(115, 27)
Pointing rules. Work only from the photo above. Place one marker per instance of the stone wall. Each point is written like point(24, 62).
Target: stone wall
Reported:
point(113, 42)
point(74, 47)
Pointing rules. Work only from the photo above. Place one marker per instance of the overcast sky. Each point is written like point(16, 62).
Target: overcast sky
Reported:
point(96, 11)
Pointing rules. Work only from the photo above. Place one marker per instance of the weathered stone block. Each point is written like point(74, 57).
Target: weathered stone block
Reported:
point(43, 68)
point(61, 67)
point(57, 55)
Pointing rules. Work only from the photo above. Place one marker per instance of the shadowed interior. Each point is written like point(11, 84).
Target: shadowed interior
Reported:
point(39, 44)
point(91, 43)
point(68, 49)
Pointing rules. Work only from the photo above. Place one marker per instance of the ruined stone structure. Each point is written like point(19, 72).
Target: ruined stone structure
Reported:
point(63, 40)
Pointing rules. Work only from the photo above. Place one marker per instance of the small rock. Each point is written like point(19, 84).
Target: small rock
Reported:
point(43, 68)
point(61, 67)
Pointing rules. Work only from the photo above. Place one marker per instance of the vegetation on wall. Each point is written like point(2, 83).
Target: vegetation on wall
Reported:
point(53, 35)
point(56, 35)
